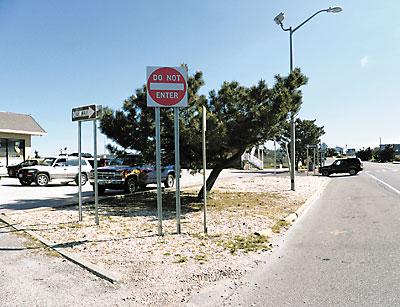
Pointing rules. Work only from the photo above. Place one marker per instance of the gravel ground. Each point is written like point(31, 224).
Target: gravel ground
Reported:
point(166, 270)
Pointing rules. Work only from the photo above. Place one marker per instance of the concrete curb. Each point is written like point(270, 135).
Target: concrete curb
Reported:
point(311, 200)
point(221, 290)
point(294, 216)
point(94, 269)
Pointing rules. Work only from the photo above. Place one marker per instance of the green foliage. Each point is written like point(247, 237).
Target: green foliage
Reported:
point(238, 118)
point(247, 244)
point(279, 225)
point(331, 152)
point(364, 154)
point(307, 133)
point(386, 155)
point(180, 258)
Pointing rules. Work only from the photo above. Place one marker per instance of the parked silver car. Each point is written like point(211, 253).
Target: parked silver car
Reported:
point(60, 169)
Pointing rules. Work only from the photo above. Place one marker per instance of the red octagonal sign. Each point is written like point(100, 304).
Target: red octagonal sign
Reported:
point(166, 87)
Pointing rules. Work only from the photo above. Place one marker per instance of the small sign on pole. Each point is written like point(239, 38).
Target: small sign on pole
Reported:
point(167, 87)
point(84, 113)
point(79, 114)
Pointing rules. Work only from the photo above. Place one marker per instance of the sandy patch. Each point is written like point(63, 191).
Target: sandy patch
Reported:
point(166, 270)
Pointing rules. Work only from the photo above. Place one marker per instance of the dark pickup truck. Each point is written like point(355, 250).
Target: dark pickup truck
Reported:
point(128, 174)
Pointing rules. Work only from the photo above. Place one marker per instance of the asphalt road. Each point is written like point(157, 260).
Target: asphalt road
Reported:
point(344, 251)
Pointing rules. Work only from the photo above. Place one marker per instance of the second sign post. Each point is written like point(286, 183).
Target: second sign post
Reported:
point(167, 87)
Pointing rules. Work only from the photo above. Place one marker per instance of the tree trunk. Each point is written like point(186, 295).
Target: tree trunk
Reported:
point(217, 170)
point(210, 181)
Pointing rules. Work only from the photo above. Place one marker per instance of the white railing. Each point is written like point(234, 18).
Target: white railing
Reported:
point(254, 161)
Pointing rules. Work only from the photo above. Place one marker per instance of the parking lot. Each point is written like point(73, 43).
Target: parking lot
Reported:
point(14, 196)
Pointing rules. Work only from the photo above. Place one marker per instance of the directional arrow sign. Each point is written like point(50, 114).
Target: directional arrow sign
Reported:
point(84, 113)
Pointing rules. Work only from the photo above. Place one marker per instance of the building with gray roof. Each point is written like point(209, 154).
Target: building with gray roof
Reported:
point(16, 131)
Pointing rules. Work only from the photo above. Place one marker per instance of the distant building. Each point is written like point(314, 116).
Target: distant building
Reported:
point(16, 131)
point(339, 150)
point(396, 147)
point(351, 152)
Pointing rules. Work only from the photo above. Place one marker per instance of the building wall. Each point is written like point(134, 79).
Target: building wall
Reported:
point(395, 146)
point(19, 148)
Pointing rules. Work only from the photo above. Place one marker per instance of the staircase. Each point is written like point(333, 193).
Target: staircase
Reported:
point(252, 160)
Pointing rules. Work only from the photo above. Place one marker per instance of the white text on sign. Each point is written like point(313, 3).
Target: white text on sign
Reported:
point(168, 78)
point(168, 95)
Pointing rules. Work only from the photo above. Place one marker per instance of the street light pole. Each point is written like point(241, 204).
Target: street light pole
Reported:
point(279, 20)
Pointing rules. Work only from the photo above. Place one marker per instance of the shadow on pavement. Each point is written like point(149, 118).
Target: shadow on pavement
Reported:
point(54, 202)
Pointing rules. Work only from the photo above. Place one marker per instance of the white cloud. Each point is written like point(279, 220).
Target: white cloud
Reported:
point(364, 61)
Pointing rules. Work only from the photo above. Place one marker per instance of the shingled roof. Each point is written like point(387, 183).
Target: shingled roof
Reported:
point(19, 123)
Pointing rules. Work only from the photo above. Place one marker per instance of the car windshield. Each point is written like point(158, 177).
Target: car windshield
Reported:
point(47, 161)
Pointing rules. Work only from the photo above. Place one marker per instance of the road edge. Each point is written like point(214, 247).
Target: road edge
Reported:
point(228, 286)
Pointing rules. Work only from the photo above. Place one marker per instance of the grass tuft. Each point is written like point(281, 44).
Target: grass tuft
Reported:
point(279, 225)
point(251, 243)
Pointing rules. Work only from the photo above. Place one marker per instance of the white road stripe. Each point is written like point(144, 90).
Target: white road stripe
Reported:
point(385, 184)
point(167, 86)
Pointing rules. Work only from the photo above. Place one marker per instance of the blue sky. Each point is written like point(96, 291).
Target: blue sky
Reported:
point(56, 55)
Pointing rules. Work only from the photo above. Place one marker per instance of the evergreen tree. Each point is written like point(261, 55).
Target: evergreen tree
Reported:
point(306, 132)
point(238, 118)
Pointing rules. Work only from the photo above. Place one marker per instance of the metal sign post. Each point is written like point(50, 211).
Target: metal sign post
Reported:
point(79, 114)
point(274, 156)
point(158, 170)
point(80, 169)
point(314, 162)
point(204, 170)
point(177, 171)
point(167, 87)
point(308, 162)
point(96, 185)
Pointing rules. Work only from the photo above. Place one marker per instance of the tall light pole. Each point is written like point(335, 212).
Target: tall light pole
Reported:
point(279, 20)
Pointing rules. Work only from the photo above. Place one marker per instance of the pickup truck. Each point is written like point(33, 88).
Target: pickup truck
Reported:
point(60, 169)
point(128, 174)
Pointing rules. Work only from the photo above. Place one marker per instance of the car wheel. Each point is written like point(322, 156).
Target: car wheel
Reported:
point(25, 182)
point(131, 186)
point(325, 173)
point(352, 172)
point(42, 180)
point(169, 182)
point(101, 190)
point(83, 179)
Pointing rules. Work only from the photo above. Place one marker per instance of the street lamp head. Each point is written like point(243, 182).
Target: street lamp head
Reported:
point(336, 9)
point(279, 18)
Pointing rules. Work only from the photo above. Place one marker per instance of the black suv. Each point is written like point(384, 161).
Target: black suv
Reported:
point(347, 165)
point(12, 170)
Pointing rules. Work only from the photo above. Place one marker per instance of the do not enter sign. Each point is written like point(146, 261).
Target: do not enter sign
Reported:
point(166, 87)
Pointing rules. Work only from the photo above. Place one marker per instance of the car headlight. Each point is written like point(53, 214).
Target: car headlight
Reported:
point(31, 171)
